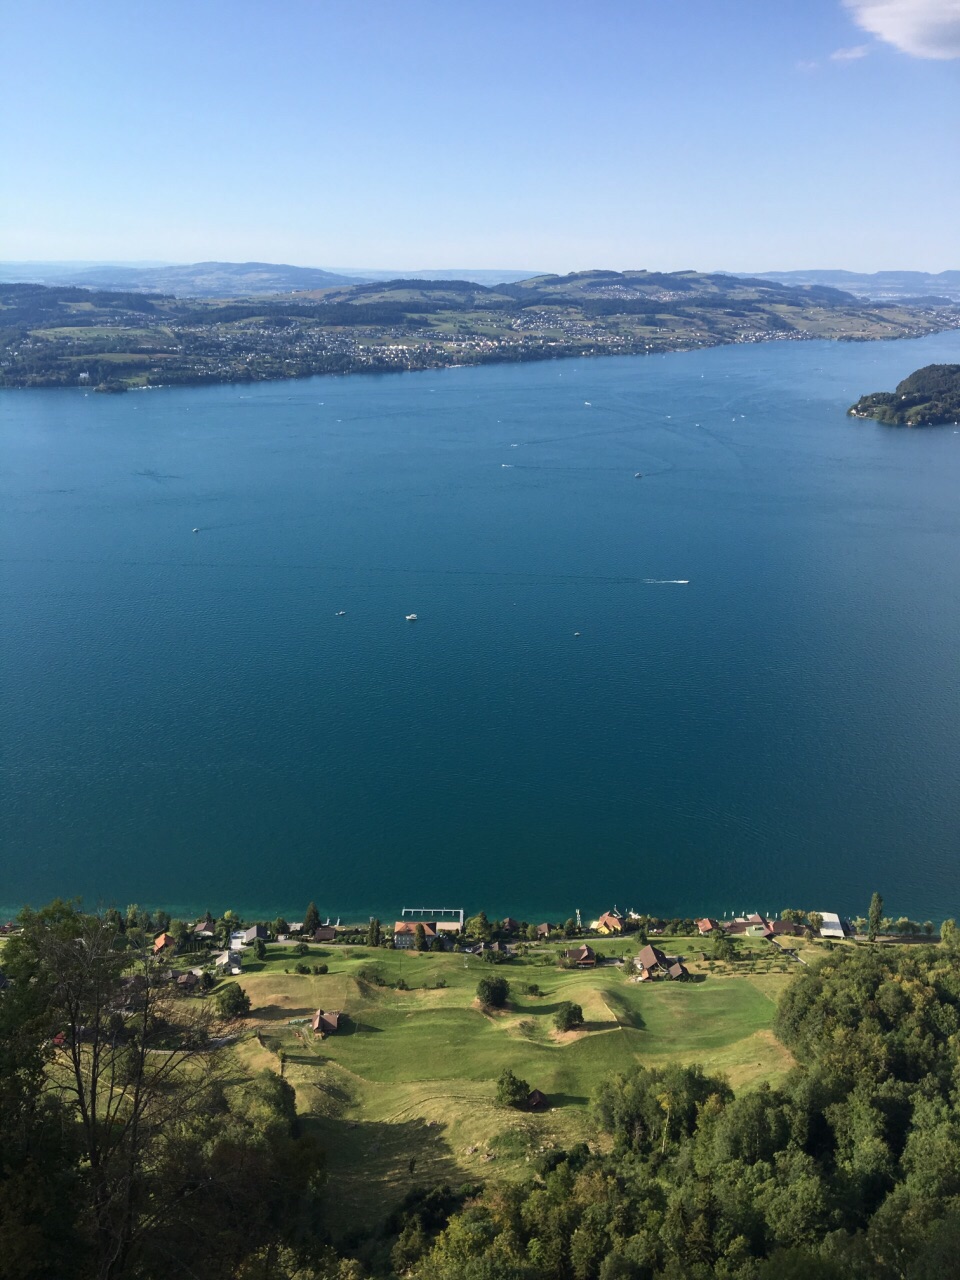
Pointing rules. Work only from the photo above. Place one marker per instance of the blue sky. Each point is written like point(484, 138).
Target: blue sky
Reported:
point(736, 134)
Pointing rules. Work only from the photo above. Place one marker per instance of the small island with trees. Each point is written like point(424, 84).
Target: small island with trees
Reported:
point(928, 398)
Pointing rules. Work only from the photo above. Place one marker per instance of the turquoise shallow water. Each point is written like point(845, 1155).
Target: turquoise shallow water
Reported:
point(186, 722)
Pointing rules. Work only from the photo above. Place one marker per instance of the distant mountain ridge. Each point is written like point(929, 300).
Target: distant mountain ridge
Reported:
point(211, 279)
point(251, 279)
point(878, 284)
point(222, 279)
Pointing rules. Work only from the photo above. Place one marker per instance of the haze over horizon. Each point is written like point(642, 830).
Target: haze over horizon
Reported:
point(625, 137)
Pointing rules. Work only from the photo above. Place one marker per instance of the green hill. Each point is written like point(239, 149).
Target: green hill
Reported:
point(928, 397)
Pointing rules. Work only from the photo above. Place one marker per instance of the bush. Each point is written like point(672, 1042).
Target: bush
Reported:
point(493, 992)
point(301, 949)
point(302, 968)
point(260, 949)
point(320, 968)
point(568, 1017)
point(511, 1090)
point(233, 1001)
point(532, 989)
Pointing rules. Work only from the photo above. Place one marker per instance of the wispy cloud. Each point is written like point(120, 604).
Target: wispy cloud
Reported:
point(850, 55)
point(808, 66)
point(922, 28)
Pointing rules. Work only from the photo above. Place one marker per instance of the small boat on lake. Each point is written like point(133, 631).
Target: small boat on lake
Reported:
point(411, 617)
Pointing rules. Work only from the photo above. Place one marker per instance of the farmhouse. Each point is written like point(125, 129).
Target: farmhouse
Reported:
point(228, 961)
point(678, 970)
point(325, 933)
point(707, 926)
point(583, 957)
point(543, 930)
point(652, 961)
point(325, 1024)
point(164, 942)
point(610, 922)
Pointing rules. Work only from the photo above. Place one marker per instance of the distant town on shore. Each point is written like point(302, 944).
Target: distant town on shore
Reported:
point(108, 340)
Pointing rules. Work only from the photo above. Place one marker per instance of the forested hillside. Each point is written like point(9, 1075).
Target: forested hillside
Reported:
point(927, 398)
point(134, 1145)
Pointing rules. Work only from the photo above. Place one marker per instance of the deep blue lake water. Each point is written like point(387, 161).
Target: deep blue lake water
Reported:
point(187, 722)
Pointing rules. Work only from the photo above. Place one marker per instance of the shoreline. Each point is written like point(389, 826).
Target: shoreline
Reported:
point(524, 356)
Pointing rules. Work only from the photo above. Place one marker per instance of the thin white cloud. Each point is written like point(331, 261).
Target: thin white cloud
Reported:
point(808, 66)
point(850, 55)
point(922, 28)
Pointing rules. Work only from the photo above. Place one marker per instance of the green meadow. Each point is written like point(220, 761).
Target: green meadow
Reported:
point(405, 1092)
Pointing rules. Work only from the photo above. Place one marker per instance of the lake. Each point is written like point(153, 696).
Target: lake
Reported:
point(731, 684)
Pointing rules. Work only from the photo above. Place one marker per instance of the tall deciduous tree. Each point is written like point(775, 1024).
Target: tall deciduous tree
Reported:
point(874, 916)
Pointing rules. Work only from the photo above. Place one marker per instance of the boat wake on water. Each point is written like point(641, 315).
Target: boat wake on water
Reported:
point(665, 582)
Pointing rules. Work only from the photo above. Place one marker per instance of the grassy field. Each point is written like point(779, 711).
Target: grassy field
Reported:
point(405, 1093)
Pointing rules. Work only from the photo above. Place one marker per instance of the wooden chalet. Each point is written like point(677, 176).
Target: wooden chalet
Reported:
point(536, 1101)
point(164, 942)
point(582, 957)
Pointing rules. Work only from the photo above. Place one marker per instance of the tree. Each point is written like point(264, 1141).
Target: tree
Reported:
point(233, 1001)
point(420, 937)
point(928, 928)
point(724, 947)
point(568, 1017)
point(493, 991)
point(874, 917)
point(260, 949)
point(478, 926)
point(570, 928)
point(311, 921)
point(532, 934)
point(125, 1101)
point(511, 1090)
point(816, 920)
point(280, 926)
point(374, 933)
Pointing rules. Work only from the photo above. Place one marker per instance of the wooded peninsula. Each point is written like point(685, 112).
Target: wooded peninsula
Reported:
point(68, 336)
point(927, 398)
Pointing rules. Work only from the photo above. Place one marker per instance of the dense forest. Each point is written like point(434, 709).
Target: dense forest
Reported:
point(134, 1145)
point(928, 397)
